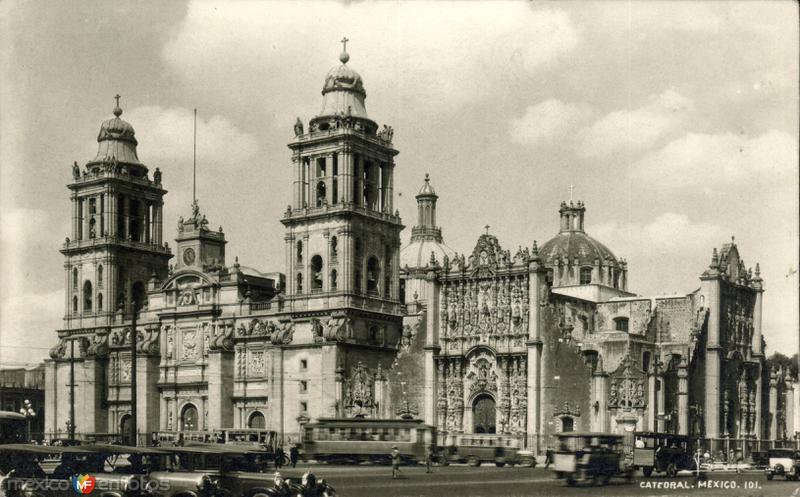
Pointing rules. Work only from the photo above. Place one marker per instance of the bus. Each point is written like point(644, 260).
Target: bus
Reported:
point(355, 440)
point(12, 428)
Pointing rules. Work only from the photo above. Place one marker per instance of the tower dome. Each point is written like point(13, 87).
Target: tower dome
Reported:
point(426, 237)
point(578, 259)
point(117, 141)
point(343, 94)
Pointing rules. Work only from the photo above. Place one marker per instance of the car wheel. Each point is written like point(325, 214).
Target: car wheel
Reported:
point(769, 476)
point(499, 464)
point(606, 479)
point(672, 470)
point(648, 471)
point(473, 461)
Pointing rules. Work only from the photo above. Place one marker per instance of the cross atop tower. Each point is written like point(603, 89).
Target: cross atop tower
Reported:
point(487, 228)
point(344, 44)
point(117, 109)
point(571, 190)
point(117, 97)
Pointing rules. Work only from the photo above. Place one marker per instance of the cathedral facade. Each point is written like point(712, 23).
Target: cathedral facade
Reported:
point(525, 343)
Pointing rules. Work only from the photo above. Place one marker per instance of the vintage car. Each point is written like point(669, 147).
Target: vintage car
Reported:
point(592, 457)
point(113, 470)
point(227, 470)
point(783, 462)
point(661, 452)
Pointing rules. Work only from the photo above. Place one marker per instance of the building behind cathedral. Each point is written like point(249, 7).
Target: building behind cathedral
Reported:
point(527, 342)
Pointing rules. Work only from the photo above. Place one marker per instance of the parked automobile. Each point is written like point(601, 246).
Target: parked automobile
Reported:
point(783, 462)
point(661, 452)
point(592, 457)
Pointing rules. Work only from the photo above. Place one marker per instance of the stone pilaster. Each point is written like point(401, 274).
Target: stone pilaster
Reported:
point(220, 388)
point(773, 406)
point(683, 398)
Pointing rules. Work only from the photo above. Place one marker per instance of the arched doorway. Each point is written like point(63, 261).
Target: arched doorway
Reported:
point(257, 421)
point(483, 415)
point(125, 424)
point(189, 418)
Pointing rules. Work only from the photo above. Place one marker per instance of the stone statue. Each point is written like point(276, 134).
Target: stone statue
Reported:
point(76, 171)
point(298, 127)
point(157, 176)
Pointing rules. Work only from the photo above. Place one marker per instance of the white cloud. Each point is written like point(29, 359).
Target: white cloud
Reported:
point(548, 120)
point(720, 161)
point(421, 53)
point(28, 322)
point(636, 129)
point(165, 138)
point(643, 17)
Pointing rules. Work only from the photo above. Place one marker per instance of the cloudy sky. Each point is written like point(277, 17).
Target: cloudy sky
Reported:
point(677, 123)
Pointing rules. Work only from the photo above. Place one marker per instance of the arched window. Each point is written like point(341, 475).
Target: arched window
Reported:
point(74, 278)
point(87, 296)
point(257, 421)
point(125, 424)
point(334, 283)
point(586, 275)
point(189, 418)
point(316, 273)
point(100, 276)
point(99, 302)
point(321, 194)
point(621, 324)
point(646, 361)
point(299, 251)
point(75, 304)
point(299, 284)
point(373, 274)
point(334, 248)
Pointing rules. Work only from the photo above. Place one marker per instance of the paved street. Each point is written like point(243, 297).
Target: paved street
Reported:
point(456, 481)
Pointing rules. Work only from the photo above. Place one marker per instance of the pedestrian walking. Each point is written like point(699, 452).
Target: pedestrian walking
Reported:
point(278, 457)
point(293, 455)
point(395, 462)
point(428, 459)
point(548, 457)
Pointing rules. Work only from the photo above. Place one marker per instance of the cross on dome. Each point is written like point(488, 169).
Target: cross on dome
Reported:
point(571, 191)
point(117, 109)
point(344, 56)
point(487, 228)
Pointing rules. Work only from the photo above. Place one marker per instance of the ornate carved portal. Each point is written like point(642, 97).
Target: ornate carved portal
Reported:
point(484, 415)
point(483, 381)
point(359, 393)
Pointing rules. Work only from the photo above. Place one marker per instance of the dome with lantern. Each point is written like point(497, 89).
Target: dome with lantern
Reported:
point(117, 141)
point(426, 238)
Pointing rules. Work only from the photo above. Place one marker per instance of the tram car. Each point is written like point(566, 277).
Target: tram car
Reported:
point(355, 440)
point(475, 449)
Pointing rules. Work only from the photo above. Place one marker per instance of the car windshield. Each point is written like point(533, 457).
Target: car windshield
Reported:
point(781, 453)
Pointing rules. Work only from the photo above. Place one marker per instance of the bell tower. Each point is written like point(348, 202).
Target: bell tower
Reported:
point(342, 233)
point(116, 242)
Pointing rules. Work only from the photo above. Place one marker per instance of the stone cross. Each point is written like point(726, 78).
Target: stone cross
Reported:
point(344, 44)
point(117, 97)
point(487, 228)
point(571, 190)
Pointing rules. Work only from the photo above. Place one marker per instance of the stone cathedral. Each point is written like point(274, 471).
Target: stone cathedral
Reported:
point(525, 343)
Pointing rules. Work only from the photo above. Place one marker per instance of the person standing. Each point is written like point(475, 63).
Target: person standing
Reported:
point(429, 459)
point(293, 455)
point(278, 457)
point(548, 457)
point(395, 462)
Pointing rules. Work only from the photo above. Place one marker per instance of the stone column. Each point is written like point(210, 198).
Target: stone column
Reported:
point(148, 222)
point(306, 268)
point(599, 415)
point(789, 403)
point(660, 417)
point(75, 218)
point(683, 398)
point(431, 347)
point(220, 388)
point(773, 406)
point(756, 342)
point(160, 224)
point(111, 212)
point(290, 262)
point(710, 288)
point(652, 401)
point(94, 418)
point(535, 422)
point(758, 429)
point(147, 392)
point(51, 394)
point(390, 187)
point(297, 165)
point(345, 178)
point(126, 209)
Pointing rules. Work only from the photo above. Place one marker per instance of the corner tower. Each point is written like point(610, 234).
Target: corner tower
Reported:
point(342, 236)
point(116, 244)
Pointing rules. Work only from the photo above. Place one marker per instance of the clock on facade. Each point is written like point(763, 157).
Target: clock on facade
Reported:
point(188, 256)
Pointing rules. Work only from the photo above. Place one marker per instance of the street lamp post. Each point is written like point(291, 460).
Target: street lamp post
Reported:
point(29, 413)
